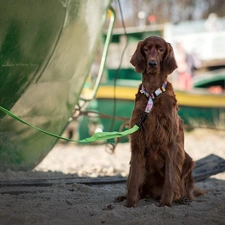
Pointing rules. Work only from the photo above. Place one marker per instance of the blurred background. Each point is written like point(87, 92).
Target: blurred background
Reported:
point(147, 12)
point(196, 30)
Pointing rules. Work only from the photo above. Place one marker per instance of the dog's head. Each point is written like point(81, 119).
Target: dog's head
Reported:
point(154, 56)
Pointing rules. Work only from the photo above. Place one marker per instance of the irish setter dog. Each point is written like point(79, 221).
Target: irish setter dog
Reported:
point(159, 167)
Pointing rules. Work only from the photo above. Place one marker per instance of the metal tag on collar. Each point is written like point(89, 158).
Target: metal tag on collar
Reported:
point(149, 105)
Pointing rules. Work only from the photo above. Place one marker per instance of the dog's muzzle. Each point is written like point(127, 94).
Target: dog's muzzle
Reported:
point(152, 63)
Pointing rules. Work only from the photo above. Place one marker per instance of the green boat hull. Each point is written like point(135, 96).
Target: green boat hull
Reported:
point(46, 50)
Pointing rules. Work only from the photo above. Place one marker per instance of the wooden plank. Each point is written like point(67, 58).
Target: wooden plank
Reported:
point(205, 167)
point(208, 166)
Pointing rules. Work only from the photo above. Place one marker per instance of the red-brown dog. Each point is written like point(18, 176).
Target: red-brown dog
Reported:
point(159, 168)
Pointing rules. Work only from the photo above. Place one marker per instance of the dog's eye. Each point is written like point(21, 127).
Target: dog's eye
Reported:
point(146, 49)
point(161, 50)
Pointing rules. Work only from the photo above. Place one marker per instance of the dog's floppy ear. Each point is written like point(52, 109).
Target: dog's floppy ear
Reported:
point(137, 59)
point(169, 62)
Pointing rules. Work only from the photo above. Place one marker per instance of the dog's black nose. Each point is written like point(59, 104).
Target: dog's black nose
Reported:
point(152, 63)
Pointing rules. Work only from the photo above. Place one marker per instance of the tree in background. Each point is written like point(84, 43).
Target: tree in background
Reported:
point(162, 11)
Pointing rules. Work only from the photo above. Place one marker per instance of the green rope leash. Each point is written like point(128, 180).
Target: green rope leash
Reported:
point(96, 137)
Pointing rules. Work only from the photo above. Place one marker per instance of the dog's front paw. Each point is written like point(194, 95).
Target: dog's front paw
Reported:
point(165, 203)
point(131, 203)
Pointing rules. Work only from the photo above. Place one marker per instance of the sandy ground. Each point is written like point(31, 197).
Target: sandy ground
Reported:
point(71, 204)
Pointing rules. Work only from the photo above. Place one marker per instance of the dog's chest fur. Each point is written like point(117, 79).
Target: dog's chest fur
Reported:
point(157, 129)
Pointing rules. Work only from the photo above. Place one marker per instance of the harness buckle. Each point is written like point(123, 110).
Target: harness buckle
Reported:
point(143, 118)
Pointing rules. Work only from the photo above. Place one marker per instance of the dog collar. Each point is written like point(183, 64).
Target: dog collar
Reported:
point(152, 95)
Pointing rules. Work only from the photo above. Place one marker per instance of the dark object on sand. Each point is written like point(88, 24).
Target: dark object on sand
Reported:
point(204, 168)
